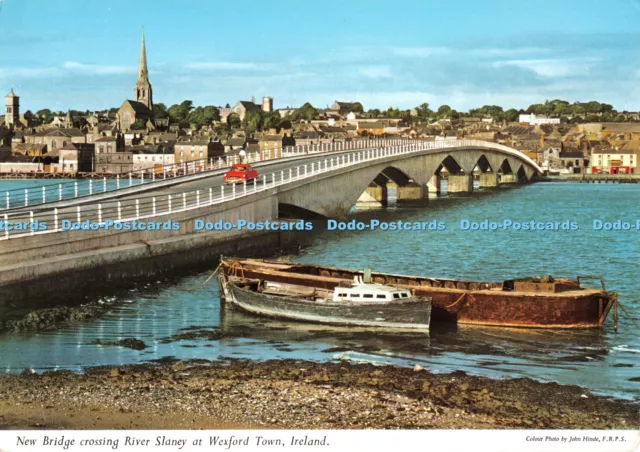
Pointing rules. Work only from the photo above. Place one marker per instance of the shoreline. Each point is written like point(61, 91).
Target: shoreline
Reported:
point(295, 394)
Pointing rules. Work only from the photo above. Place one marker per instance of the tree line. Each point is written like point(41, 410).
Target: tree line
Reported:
point(186, 114)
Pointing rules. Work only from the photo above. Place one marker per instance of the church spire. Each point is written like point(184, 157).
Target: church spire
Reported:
point(143, 91)
point(143, 74)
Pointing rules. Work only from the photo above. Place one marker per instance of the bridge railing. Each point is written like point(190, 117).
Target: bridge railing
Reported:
point(115, 215)
point(100, 183)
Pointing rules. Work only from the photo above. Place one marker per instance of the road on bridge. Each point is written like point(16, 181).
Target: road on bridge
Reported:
point(188, 193)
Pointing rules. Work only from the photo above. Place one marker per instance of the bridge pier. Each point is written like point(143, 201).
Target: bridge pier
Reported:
point(412, 194)
point(508, 179)
point(373, 196)
point(460, 184)
point(434, 185)
point(489, 180)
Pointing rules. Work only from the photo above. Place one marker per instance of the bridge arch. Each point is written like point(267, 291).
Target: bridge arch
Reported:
point(334, 194)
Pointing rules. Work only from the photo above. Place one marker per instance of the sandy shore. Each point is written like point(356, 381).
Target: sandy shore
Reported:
point(296, 395)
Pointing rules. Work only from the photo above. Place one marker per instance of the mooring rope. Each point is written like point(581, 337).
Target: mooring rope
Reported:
point(206, 281)
point(627, 314)
point(455, 303)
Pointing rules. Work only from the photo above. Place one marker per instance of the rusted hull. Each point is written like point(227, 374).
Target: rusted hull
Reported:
point(464, 302)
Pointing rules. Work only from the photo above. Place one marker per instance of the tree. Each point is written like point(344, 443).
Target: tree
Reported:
point(233, 121)
point(252, 121)
point(306, 112)
point(578, 109)
point(180, 112)
point(393, 112)
point(444, 111)
point(211, 113)
point(271, 120)
point(204, 115)
point(140, 124)
point(45, 115)
point(511, 115)
point(159, 111)
point(424, 111)
point(356, 107)
point(374, 112)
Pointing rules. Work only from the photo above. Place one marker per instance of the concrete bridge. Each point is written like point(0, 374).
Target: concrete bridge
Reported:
point(118, 230)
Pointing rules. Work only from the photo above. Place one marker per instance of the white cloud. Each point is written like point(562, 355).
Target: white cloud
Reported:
point(22, 72)
point(375, 71)
point(225, 66)
point(74, 66)
point(419, 52)
point(514, 51)
point(68, 68)
point(552, 68)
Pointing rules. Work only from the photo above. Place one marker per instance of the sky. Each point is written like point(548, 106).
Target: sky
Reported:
point(83, 54)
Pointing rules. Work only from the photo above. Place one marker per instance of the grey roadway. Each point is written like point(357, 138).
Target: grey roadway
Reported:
point(89, 206)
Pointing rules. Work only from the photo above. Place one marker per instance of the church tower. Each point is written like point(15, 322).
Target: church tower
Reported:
point(12, 109)
point(143, 92)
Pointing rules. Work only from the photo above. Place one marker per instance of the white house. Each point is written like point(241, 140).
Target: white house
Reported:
point(534, 120)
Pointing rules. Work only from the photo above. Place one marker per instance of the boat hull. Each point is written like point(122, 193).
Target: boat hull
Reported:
point(461, 302)
point(396, 315)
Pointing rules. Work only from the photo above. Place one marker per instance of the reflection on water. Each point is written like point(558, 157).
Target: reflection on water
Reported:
point(177, 323)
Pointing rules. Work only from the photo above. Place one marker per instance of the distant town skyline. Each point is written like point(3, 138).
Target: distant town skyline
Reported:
point(84, 55)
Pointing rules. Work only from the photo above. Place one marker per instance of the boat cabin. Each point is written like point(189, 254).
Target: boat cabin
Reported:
point(370, 292)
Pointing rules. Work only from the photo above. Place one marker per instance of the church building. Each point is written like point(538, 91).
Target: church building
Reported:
point(141, 108)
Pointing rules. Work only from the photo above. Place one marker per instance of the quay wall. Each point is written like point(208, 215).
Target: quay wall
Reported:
point(32, 258)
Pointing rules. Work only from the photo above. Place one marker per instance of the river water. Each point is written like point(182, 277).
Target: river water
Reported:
point(185, 324)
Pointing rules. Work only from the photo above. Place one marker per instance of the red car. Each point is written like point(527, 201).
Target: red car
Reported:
point(239, 173)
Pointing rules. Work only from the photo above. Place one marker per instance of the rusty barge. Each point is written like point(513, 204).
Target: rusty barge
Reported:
point(515, 303)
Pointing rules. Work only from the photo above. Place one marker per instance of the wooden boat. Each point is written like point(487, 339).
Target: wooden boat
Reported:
point(526, 303)
point(350, 303)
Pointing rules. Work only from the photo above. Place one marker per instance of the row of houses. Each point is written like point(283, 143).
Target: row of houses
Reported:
point(65, 151)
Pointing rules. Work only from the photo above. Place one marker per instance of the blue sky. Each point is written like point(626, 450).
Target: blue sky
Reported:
point(83, 54)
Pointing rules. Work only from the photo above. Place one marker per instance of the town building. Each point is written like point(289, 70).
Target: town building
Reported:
point(29, 149)
point(574, 161)
point(70, 159)
point(371, 128)
point(56, 138)
point(110, 156)
point(243, 107)
point(549, 159)
point(117, 162)
point(191, 151)
point(152, 156)
point(275, 142)
point(341, 108)
point(284, 112)
point(623, 160)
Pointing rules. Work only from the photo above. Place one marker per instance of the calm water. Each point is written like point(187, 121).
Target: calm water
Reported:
point(31, 190)
point(601, 360)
